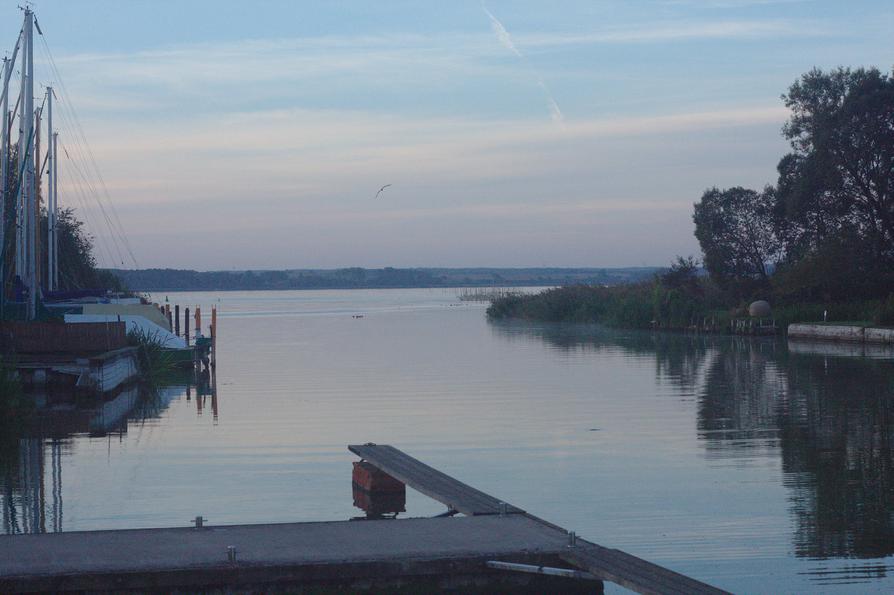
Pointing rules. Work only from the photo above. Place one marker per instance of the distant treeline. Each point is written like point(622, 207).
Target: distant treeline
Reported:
point(817, 245)
point(360, 278)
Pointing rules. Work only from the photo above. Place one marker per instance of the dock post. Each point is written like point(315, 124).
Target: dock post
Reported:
point(198, 320)
point(186, 324)
point(177, 319)
point(213, 335)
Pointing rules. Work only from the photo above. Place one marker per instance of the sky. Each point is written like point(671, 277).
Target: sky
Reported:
point(220, 135)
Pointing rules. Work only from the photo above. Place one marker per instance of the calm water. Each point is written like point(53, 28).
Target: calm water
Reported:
point(753, 464)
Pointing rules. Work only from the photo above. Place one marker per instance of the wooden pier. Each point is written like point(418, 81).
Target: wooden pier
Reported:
point(445, 553)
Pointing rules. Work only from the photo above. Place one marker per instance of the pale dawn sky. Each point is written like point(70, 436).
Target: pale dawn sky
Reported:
point(256, 134)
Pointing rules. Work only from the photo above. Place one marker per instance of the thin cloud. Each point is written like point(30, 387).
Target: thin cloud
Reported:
point(678, 31)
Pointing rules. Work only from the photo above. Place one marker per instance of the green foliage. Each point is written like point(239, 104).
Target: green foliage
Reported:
point(683, 274)
point(687, 300)
point(853, 312)
point(15, 408)
point(838, 179)
point(155, 361)
point(884, 315)
point(76, 259)
point(10, 388)
point(821, 243)
point(842, 269)
point(736, 232)
point(826, 232)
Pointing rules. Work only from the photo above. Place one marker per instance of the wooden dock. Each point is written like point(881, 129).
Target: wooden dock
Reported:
point(444, 553)
point(612, 565)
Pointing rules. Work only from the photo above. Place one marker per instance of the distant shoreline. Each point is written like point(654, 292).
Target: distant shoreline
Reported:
point(386, 278)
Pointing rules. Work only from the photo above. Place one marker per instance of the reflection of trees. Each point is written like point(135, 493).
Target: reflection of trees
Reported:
point(741, 393)
point(679, 357)
point(831, 419)
point(836, 448)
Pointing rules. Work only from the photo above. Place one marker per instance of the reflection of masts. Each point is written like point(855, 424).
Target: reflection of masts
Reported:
point(214, 391)
point(31, 478)
point(10, 515)
point(56, 460)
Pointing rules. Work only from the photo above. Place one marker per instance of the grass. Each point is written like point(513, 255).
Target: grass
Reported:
point(651, 304)
point(155, 361)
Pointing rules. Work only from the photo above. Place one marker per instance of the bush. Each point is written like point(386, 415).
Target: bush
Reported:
point(648, 304)
point(154, 359)
point(884, 316)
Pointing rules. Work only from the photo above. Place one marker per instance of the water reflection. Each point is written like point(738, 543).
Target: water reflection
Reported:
point(826, 410)
point(32, 452)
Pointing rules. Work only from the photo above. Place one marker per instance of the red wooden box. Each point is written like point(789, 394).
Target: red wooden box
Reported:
point(371, 479)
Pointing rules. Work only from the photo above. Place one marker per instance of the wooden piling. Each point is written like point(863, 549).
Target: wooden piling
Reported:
point(198, 320)
point(186, 324)
point(177, 319)
point(213, 334)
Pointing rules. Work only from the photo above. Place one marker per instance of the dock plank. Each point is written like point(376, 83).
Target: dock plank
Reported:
point(634, 573)
point(439, 486)
point(141, 558)
point(608, 564)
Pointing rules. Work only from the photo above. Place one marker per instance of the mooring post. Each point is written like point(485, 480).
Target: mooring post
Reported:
point(177, 319)
point(198, 320)
point(186, 324)
point(214, 335)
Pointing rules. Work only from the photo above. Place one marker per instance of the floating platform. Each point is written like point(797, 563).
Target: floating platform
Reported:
point(495, 548)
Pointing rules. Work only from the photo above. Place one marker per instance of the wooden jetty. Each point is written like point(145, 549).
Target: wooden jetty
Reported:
point(483, 551)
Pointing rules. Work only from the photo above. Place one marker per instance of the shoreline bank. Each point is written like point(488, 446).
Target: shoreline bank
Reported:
point(842, 333)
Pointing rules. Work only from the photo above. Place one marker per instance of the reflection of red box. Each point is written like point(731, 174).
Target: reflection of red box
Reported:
point(372, 479)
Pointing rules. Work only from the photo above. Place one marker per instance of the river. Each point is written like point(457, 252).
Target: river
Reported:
point(753, 464)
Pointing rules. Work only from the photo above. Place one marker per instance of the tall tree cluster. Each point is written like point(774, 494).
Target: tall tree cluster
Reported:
point(826, 230)
point(77, 264)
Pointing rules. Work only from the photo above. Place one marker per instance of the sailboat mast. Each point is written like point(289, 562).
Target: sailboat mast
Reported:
point(29, 199)
point(4, 162)
point(21, 216)
point(51, 195)
point(54, 272)
point(38, 189)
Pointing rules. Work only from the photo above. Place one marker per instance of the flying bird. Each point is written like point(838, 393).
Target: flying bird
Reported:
point(380, 191)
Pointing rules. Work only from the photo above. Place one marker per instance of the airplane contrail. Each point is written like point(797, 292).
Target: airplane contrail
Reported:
point(555, 112)
point(500, 31)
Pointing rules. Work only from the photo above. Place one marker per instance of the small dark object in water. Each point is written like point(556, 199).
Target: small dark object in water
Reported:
point(357, 316)
point(593, 429)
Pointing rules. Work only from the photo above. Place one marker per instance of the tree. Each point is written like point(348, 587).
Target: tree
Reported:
point(839, 180)
point(736, 231)
point(682, 274)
